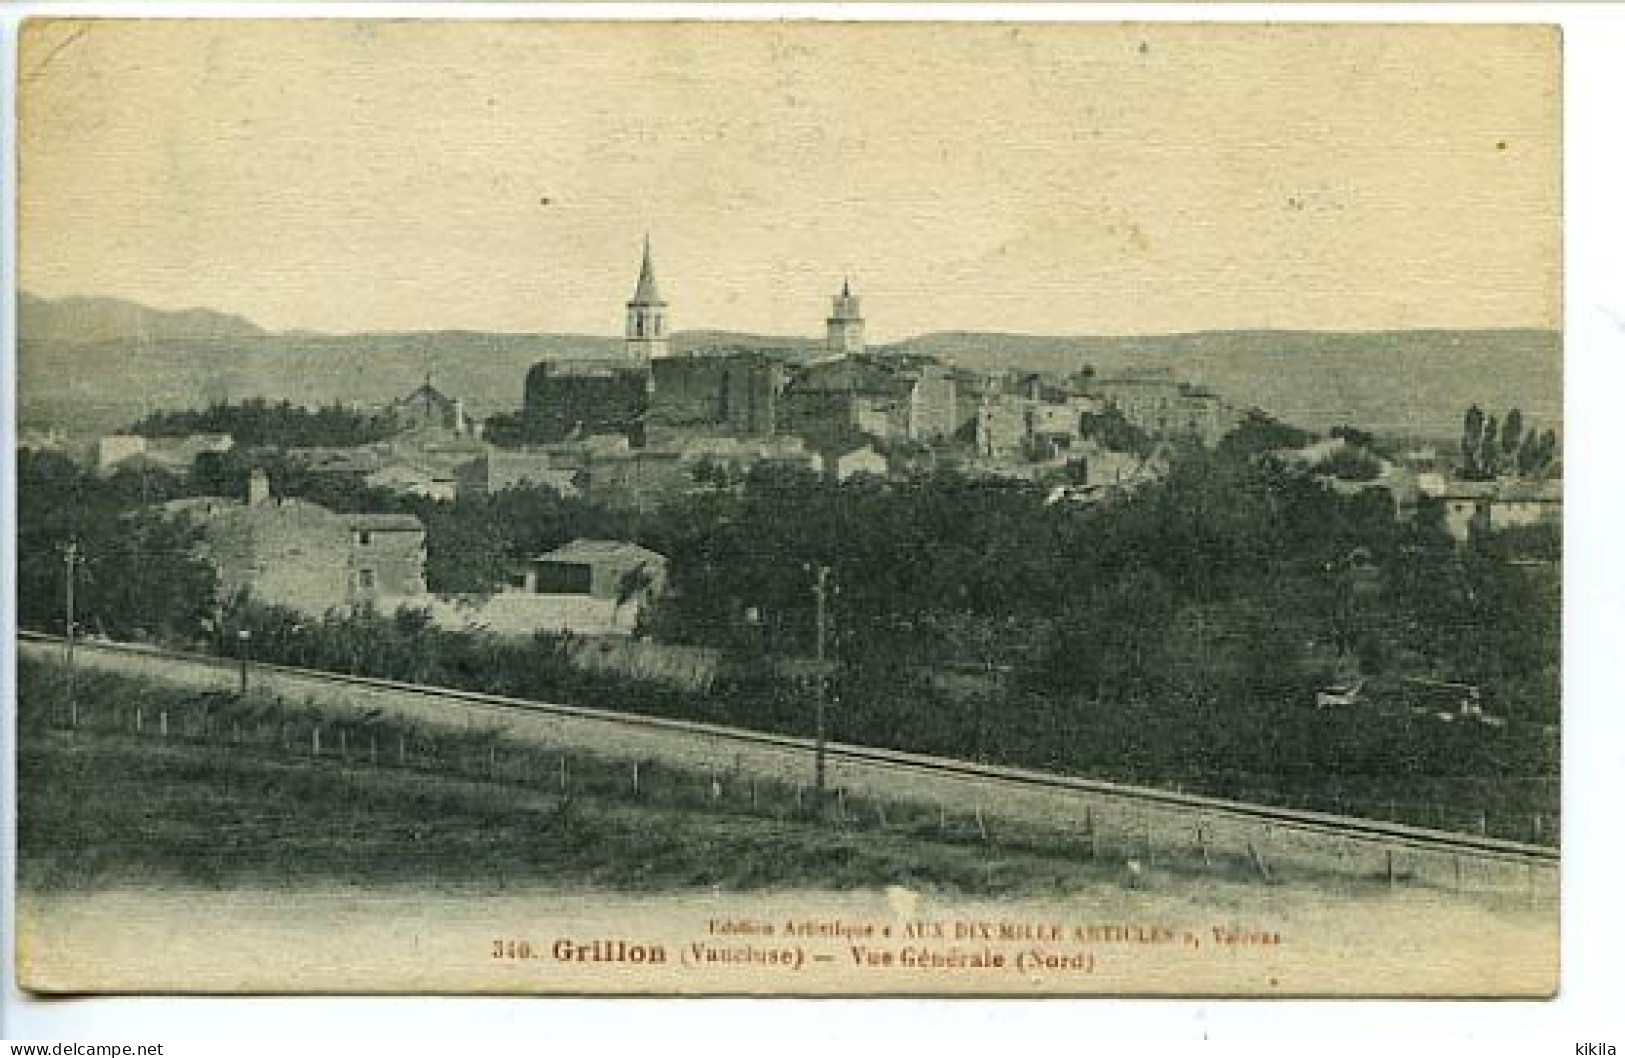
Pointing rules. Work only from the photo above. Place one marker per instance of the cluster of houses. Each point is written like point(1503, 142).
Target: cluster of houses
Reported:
point(1470, 508)
point(839, 409)
point(637, 429)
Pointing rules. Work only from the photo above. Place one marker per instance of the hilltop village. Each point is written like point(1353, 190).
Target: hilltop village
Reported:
point(731, 533)
point(638, 430)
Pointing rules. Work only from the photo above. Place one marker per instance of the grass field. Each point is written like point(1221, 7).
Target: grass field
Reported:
point(102, 811)
point(175, 860)
point(221, 792)
point(143, 784)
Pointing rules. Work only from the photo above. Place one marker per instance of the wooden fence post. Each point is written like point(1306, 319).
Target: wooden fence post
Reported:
point(316, 740)
point(634, 778)
point(1258, 861)
point(138, 719)
point(1388, 856)
point(163, 723)
point(564, 772)
point(981, 824)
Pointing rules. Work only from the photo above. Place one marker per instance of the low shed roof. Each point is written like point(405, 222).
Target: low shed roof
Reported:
point(592, 552)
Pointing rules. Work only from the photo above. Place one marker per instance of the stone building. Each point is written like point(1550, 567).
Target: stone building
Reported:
point(294, 553)
point(604, 569)
point(427, 408)
point(1151, 399)
point(1475, 507)
point(500, 469)
point(934, 413)
point(410, 479)
point(872, 396)
point(1002, 427)
point(735, 393)
point(842, 462)
point(594, 589)
point(639, 479)
point(568, 399)
point(735, 456)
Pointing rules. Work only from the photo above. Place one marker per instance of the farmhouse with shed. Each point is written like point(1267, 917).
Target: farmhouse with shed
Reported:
point(294, 553)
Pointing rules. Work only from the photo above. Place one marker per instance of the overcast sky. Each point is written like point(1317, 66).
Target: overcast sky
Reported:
point(1049, 179)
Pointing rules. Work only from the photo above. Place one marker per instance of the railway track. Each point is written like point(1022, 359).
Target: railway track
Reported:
point(992, 781)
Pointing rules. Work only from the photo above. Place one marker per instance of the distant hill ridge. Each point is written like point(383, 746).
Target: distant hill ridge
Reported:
point(95, 319)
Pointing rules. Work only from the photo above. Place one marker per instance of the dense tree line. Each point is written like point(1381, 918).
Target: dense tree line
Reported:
point(1267, 749)
point(1491, 448)
point(259, 422)
point(137, 575)
point(1351, 464)
point(1173, 634)
point(1259, 433)
point(1113, 432)
point(1233, 577)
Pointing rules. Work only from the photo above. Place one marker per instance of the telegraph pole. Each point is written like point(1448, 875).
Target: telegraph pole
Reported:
point(243, 636)
point(820, 594)
point(70, 558)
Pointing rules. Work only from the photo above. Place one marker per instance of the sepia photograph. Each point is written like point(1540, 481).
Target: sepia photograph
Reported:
point(788, 508)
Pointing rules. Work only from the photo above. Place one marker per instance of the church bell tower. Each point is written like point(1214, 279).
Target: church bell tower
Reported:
point(844, 328)
point(646, 316)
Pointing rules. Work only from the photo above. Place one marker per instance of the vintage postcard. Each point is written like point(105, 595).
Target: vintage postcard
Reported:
point(797, 508)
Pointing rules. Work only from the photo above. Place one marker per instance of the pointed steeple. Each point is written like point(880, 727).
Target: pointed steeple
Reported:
point(648, 291)
point(646, 314)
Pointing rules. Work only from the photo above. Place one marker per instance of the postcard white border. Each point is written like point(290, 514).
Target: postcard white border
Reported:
point(1588, 1008)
